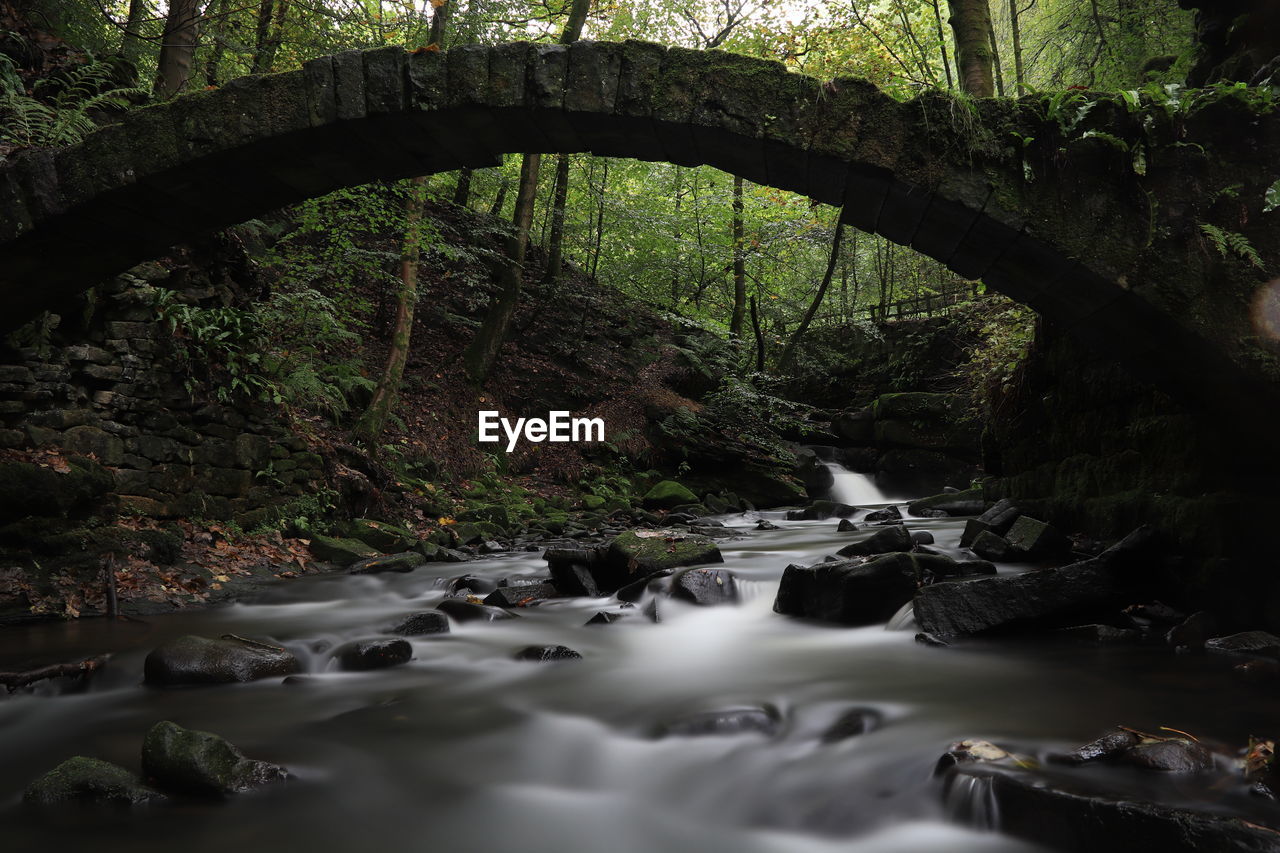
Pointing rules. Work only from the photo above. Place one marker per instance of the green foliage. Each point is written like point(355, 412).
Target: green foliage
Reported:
point(64, 108)
point(1271, 200)
point(1230, 244)
point(992, 372)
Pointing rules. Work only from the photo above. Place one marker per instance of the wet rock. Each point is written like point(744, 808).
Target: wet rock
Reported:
point(202, 763)
point(1170, 756)
point(991, 546)
point(639, 553)
point(931, 513)
point(998, 519)
point(766, 524)
point(90, 780)
point(1155, 613)
point(1101, 634)
point(406, 561)
point(926, 639)
point(608, 617)
point(1191, 633)
point(890, 539)
point(1032, 599)
point(851, 592)
point(422, 624)
point(853, 722)
point(890, 513)
point(846, 526)
point(968, 502)
point(364, 655)
point(340, 552)
point(1110, 745)
point(705, 587)
point(470, 582)
point(1036, 539)
point(668, 494)
point(821, 511)
point(572, 569)
point(969, 752)
point(466, 611)
point(922, 537)
point(1246, 642)
point(384, 537)
point(200, 660)
point(763, 719)
point(636, 590)
point(544, 654)
point(521, 595)
point(1071, 816)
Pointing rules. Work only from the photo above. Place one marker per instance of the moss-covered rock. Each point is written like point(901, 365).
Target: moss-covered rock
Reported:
point(387, 538)
point(202, 763)
point(340, 552)
point(29, 489)
point(667, 495)
point(91, 780)
point(638, 553)
point(968, 502)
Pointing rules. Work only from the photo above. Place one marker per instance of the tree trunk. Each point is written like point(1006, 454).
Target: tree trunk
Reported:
point(178, 45)
point(577, 18)
point(216, 15)
point(942, 43)
point(371, 423)
point(995, 58)
point(269, 34)
point(462, 190)
point(971, 26)
point(500, 199)
point(131, 43)
point(482, 353)
point(604, 186)
point(755, 327)
point(1018, 78)
point(789, 351)
point(439, 23)
point(555, 248)
point(739, 264)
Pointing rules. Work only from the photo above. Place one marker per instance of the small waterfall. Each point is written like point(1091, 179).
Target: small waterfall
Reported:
point(904, 619)
point(971, 801)
point(849, 487)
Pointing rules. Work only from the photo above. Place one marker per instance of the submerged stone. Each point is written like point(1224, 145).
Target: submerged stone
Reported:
point(203, 763)
point(90, 780)
point(545, 654)
point(705, 587)
point(200, 660)
point(363, 655)
point(763, 719)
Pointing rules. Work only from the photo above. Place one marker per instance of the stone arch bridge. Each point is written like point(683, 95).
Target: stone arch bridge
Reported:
point(1040, 200)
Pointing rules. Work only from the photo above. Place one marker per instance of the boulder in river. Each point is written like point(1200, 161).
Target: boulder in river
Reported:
point(421, 624)
point(765, 524)
point(364, 655)
point(846, 526)
point(888, 540)
point(822, 510)
point(522, 595)
point(1176, 755)
point(970, 502)
point(197, 762)
point(545, 654)
point(637, 553)
point(997, 519)
point(1110, 745)
point(467, 611)
point(1076, 814)
point(993, 546)
point(572, 569)
point(1031, 599)
point(90, 780)
point(1246, 642)
point(851, 592)
point(889, 513)
point(853, 722)
point(199, 660)
point(340, 552)
point(761, 719)
point(1036, 539)
point(705, 587)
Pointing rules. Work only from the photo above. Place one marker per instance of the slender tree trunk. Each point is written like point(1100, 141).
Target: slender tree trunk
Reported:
point(755, 327)
point(181, 30)
point(942, 43)
point(439, 23)
point(555, 249)
point(995, 58)
point(789, 351)
point(131, 43)
point(1018, 78)
point(500, 199)
point(217, 18)
point(482, 353)
point(462, 190)
point(371, 423)
point(739, 264)
point(269, 34)
point(971, 26)
point(604, 186)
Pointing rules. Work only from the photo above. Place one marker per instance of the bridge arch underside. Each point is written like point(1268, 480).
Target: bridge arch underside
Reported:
point(205, 162)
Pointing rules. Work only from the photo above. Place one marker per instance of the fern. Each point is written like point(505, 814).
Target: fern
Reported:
point(62, 109)
point(1229, 243)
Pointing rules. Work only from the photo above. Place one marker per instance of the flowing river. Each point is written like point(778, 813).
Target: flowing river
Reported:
point(466, 749)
